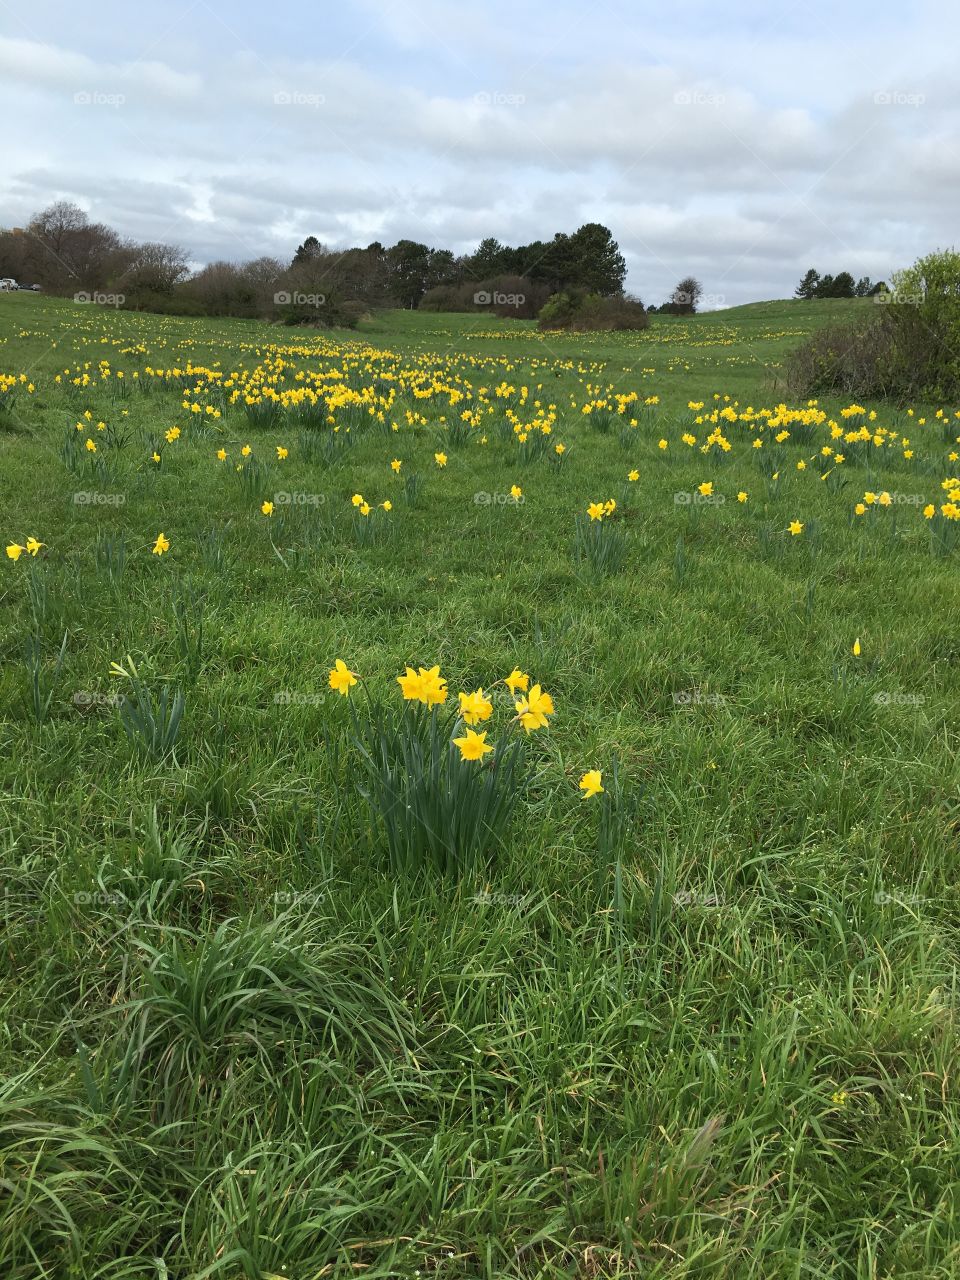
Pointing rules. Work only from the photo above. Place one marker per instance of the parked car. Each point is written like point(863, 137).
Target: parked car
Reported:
point(8, 284)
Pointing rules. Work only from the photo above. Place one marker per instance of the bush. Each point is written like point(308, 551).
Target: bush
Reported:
point(582, 312)
point(911, 349)
point(175, 303)
point(332, 313)
point(847, 360)
point(509, 296)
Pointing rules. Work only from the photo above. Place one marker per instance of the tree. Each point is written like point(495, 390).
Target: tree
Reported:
point(488, 259)
point(559, 263)
point(441, 268)
point(13, 253)
point(156, 268)
point(686, 295)
point(408, 271)
point(597, 263)
point(824, 287)
point(807, 288)
point(311, 248)
point(843, 285)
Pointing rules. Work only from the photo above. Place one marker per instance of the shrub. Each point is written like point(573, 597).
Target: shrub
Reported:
point(846, 359)
point(511, 296)
point(582, 312)
point(910, 349)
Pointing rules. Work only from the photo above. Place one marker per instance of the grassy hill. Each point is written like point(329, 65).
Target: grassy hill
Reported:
point(699, 1023)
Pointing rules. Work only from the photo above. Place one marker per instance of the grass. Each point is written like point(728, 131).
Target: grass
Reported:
point(713, 1036)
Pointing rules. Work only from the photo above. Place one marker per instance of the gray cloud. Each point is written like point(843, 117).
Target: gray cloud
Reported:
point(418, 123)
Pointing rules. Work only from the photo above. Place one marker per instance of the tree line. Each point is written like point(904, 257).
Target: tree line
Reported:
point(65, 252)
point(842, 285)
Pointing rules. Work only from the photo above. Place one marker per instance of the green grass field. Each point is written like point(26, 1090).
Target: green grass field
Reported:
point(703, 1024)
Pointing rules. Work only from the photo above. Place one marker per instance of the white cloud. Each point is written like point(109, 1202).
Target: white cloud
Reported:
point(744, 152)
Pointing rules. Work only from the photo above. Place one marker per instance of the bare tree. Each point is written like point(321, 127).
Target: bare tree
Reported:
point(156, 268)
point(686, 295)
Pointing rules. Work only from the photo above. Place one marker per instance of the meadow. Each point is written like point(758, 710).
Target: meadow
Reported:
point(664, 985)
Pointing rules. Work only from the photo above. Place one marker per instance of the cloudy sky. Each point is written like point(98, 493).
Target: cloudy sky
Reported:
point(742, 141)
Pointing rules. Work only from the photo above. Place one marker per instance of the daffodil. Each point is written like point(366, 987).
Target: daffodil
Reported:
point(532, 711)
point(341, 678)
point(161, 545)
point(282, 452)
point(856, 647)
point(428, 687)
point(222, 455)
point(472, 746)
point(475, 707)
point(590, 783)
point(395, 465)
point(267, 508)
point(795, 527)
point(517, 679)
point(15, 551)
point(411, 685)
point(33, 546)
point(440, 459)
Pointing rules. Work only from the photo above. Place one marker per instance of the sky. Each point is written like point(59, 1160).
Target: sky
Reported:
point(741, 142)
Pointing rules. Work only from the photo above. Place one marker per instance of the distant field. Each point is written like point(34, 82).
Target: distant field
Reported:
point(700, 1024)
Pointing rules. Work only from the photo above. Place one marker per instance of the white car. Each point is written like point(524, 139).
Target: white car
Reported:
point(8, 284)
